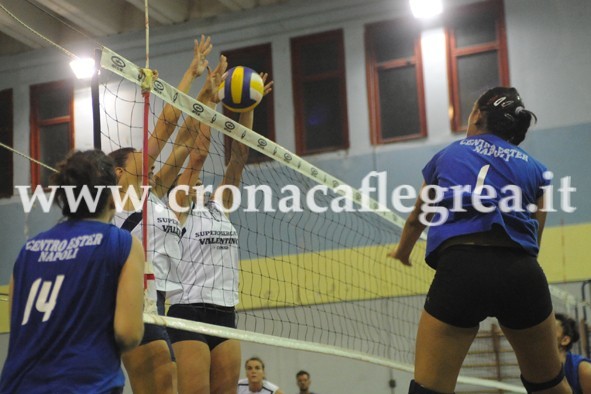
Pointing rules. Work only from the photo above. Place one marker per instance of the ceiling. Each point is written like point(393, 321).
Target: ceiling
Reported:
point(64, 21)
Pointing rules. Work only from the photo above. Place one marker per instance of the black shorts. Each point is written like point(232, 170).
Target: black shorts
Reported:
point(205, 313)
point(473, 282)
point(153, 332)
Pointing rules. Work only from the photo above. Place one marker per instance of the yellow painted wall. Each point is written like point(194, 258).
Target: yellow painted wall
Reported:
point(311, 278)
point(565, 254)
point(365, 273)
point(4, 320)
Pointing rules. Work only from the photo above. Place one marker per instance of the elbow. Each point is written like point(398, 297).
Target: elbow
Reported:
point(130, 339)
point(198, 157)
point(415, 223)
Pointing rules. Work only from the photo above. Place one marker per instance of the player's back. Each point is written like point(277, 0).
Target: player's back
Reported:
point(65, 287)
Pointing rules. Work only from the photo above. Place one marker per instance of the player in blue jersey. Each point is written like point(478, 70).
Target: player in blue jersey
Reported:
point(576, 367)
point(76, 293)
point(483, 200)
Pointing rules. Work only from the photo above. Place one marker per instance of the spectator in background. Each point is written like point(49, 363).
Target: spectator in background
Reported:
point(576, 367)
point(255, 381)
point(303, 381)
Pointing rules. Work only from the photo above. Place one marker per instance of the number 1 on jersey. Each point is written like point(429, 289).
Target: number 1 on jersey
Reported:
point(44, 302)
point(480, 179)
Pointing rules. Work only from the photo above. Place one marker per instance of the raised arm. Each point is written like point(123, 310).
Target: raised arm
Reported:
point(198, 139)
point(238, 154)
point(413, 228)
point(169, 116)
point(192, 135)
point(129, 323)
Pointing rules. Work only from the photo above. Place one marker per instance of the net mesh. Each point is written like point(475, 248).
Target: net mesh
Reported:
point(308, 280)
point(317, 277)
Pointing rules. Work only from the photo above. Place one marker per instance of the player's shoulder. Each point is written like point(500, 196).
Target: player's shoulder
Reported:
point(270, 386)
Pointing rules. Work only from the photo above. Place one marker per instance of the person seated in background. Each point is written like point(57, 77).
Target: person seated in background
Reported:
point(303, 381)
point(576, 367)
point(255, 381)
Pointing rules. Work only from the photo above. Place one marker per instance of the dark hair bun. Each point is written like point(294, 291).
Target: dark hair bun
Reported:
point(505, 114)
point(82, 170)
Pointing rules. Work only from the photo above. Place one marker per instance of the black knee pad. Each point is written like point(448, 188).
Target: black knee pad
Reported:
point(532, 387)
point(416, 388)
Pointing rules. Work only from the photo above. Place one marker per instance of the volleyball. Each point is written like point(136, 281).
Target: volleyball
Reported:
point(241, 90)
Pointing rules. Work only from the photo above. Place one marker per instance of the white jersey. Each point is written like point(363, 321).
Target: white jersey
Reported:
point(268, 387)
point(209, 265)
point(163, 250)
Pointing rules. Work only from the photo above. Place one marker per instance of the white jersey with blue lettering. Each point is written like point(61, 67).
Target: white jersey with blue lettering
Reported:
point(208, 269)
point(268, 387)
point(163, 249)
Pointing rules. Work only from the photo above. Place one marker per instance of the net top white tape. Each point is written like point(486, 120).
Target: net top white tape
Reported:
point(123, 67)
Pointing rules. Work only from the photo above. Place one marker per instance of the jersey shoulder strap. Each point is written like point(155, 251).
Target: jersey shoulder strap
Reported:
point(132, 221)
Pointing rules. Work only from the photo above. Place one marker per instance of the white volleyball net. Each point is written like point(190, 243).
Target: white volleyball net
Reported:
point(309, 280)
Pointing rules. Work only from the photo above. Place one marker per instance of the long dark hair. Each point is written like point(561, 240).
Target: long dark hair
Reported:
point(91, 168)
point(504, 114)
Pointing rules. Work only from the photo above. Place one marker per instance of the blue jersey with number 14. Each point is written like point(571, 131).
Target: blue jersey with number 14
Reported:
point(485, 165)
point(61, 327)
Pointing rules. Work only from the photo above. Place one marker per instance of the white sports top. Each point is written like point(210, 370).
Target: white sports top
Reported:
point(209, 265)
point(268, 387)
point(163, 250)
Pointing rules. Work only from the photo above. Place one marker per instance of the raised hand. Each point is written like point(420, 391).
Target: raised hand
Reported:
point(209, 90)
point(201, 49)
point(396, 255)
point(268, 86)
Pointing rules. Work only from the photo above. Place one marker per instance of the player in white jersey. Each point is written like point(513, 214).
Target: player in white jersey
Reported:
point(208, 271)
point(255, 382)
point(150, 366)
point(163, 251)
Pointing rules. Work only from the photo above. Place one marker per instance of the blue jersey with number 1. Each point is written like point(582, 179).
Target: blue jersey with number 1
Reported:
point(485, 165)
point(61, 328)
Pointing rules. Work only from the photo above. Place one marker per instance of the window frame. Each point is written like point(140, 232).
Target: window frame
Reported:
point(453, 53)
point(264, 50)
point(6, 100)
point(36, 124)
point(296, 45)
point(372, 69)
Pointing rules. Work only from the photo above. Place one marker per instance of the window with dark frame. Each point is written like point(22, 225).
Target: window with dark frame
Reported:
point(319, 92)
point(477, 56)
point(7, 138)
point(395, 81)
point(259, 59)
point(52, 127)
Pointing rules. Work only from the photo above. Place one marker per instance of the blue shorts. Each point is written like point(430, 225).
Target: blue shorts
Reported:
point(206, 313)
point(473, 282)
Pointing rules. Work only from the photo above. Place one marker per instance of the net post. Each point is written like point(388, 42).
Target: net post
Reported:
point(94, 93)
point(145, 165)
